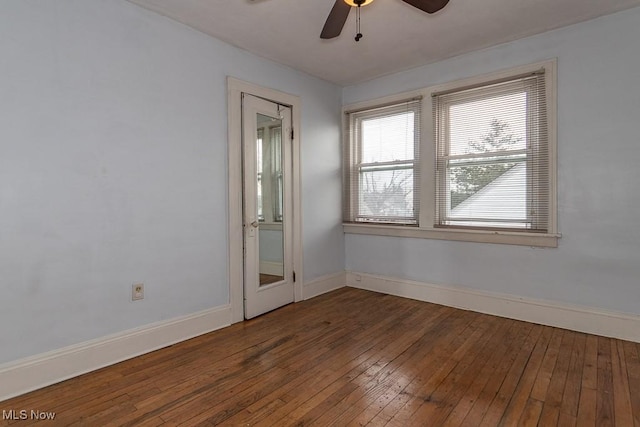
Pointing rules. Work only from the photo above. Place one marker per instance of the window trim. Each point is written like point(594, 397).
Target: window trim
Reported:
point(266, 178)
point(355, 119)
point(427, 215)
point(515, 85)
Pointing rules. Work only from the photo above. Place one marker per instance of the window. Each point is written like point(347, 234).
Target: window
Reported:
point(381, 164)
point(492, 155)
point(269, 167)
point(260, 143)
point(483, 171)
point(277, 184)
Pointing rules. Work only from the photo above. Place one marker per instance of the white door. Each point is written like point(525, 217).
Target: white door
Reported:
point(267, 205)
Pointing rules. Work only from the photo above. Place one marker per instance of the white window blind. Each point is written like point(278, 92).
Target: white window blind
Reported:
point(259, 168)
point(269, 170)
point(276, 172)
point(381, 164)
point(492, 156)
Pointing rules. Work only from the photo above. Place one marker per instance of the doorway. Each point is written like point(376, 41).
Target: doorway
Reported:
point(266, 177)
point(265, 245)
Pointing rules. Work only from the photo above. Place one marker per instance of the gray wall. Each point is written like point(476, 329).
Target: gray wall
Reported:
point(598, 261)
point(113, 134)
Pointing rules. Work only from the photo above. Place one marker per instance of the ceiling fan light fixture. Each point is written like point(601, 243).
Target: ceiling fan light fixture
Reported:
point(353, 3)
point(341, 8)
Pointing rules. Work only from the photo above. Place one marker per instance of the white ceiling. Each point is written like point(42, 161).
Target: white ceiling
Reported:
point(396, 36)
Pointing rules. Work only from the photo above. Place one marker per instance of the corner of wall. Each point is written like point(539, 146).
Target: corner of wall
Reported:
point(324, 284)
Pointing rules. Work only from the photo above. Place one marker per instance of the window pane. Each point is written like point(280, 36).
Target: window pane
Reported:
point(380, 159)
point(494, 124)
point(386, 193)
point(259, 149)
point(489, 191)
point(259, 172)
point(388, 138)
point(259, 198)
point(276, 166)
point(488, 156)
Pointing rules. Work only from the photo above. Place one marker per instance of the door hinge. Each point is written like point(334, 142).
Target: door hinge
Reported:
point(292, 134)
point(294, 277)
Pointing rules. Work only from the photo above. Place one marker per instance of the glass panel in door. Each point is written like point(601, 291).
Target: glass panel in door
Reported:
point(269, 199)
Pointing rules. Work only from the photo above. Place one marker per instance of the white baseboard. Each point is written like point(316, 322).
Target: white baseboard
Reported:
point(39, 371)
point(273, 268)
point(324, 284)
point(577, 318)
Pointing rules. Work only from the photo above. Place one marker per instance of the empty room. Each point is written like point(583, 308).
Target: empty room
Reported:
point(328, 212)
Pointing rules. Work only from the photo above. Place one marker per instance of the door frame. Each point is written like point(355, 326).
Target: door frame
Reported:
point(235, 88)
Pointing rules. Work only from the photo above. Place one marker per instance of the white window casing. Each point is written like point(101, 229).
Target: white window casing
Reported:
point(487, 160)
point(381, 168)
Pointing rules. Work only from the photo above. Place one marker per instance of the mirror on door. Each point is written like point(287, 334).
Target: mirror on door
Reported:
point(269, 199)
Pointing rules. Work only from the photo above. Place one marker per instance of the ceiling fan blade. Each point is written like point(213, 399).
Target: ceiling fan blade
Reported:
point(335, 21)
point(429, 6)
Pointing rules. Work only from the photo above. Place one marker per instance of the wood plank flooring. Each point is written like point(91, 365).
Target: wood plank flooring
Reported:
point(353, 357)
point(267, 279)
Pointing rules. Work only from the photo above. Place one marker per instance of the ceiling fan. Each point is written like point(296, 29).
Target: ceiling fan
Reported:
point(341, 8)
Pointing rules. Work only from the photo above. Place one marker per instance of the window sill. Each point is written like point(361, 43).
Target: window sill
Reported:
point(478, 236)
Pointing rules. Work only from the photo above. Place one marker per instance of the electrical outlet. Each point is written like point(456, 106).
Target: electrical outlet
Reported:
point(137, 291)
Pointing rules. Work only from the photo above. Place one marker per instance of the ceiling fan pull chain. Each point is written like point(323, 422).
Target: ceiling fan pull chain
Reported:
point(358, 33)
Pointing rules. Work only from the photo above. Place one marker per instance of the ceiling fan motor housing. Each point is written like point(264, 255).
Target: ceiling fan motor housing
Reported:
point(357, 3)
point(341, 8)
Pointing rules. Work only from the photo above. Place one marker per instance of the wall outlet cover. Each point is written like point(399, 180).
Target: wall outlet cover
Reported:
point(137, 291)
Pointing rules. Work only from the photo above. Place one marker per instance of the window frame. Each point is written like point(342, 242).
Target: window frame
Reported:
point(358, 166)
point(271, 217)
point(427, 215)
point(525, 155)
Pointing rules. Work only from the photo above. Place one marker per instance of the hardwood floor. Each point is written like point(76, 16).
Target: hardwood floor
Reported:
point(354, 357)
point(267, 279)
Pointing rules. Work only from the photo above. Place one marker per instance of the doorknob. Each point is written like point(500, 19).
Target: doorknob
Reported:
point(255, 224)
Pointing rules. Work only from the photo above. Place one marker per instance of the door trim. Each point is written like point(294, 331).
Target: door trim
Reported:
point(235, 88)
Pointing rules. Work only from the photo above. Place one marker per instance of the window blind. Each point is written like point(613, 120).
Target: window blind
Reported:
point(382, 175)
point(492, 156)
point(277, 183)
point(259, 168)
